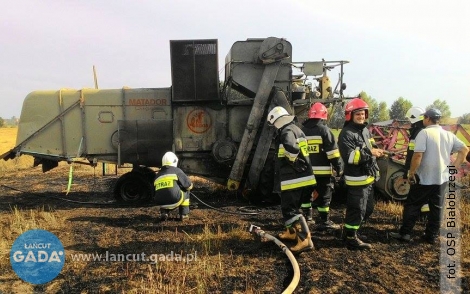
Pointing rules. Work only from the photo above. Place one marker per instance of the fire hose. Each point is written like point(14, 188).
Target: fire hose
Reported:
point(225, 211)
point(255, 230)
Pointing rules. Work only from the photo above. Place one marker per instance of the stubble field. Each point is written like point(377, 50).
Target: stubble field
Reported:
point(220, 255)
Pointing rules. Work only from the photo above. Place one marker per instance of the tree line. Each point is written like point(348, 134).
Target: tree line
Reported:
point(8, 122)
point(379, 111)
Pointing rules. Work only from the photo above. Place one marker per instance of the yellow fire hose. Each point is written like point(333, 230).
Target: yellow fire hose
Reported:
point(255, 230)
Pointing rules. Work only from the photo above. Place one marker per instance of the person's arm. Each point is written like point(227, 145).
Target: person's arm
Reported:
point(461, 156)
point(415, 163)
point(184, 181)
point(332, 151)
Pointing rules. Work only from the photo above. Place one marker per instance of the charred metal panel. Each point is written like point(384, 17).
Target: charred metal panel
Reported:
point(144, 142)
point(194, 70)
point(238, 116)
point(245, 69)
point(203, 165)
point(197, 128)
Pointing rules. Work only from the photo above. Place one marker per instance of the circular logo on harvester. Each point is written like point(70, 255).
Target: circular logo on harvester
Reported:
point(199, 121)
point(37, 256)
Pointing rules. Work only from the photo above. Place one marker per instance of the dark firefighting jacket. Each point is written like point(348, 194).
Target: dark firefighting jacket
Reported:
point(322, 148)
point(292, 168)
point(170, 184)
point(355, 145)
point(414, 130)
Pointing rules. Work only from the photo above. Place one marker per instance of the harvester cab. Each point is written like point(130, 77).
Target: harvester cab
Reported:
point(217, 131)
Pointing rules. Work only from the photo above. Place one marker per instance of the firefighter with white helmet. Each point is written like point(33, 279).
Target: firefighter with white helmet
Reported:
point(360, 170)
point(415, 116)
point(172, 187)
point(324, 154)
point(293, 177)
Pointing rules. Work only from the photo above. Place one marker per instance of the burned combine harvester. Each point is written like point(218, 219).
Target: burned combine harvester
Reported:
point(217, 131)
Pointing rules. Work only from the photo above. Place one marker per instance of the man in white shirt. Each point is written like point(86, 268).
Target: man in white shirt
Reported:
point(429, 176)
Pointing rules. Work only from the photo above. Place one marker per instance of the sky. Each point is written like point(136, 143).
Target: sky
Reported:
point(418, 50)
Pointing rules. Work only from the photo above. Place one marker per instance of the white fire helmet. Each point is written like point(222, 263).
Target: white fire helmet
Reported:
point(414, 114)
point(170, 159)
point(279, 117)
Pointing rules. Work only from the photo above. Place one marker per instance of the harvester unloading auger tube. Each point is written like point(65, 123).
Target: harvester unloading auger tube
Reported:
point(216, 133)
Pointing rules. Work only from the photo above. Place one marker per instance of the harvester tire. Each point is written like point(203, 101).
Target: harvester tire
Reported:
point(132, 188)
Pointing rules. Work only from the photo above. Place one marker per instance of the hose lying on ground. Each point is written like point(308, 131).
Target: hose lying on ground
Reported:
point(296, 278)
point(60, 198)
point(115, 202)
point(222, 210)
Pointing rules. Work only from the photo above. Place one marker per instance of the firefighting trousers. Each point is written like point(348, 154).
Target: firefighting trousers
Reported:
point(359, 206)
point(418, 196)
point(291, 200)
point(182, 204)
point(324, 189)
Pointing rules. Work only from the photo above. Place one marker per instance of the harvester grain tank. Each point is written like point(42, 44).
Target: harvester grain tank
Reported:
point(219, 132)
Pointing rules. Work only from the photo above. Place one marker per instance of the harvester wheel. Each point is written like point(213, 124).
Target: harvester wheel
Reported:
point(133, 187)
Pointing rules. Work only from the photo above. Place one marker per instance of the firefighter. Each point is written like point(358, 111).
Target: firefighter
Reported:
point(360, 170)
point(429, 175)
point(293, 177)
point(324, 154)
point(415, 116)
point(172, 188)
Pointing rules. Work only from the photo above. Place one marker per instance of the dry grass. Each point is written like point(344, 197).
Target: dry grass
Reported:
point(19, 221)
point(227, 256)
point(7, 142)
point(199, 276)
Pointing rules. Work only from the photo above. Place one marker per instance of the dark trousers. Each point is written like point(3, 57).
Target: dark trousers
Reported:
point(291, 200)
point(324, 189)
point(359, 206)
point(418, 196)
point(184, 207)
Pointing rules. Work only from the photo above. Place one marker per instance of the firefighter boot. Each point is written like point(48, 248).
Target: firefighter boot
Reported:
point(326, 223)
point(288, 234)
point(303, 236)
point(308, 214)
point(353, 242)
point(164, 214)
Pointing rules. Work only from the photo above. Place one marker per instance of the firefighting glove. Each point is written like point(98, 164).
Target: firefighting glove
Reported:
point(338, 170)
point(300, 165)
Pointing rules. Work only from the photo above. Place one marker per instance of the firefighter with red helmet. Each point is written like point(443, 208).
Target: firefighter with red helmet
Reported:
point(293, 177)
point(324, 154)
point(360, 170)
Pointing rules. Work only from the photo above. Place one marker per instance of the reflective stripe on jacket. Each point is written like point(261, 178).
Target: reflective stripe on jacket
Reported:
point(291, 145)
point(355, 145)
point(322, 148)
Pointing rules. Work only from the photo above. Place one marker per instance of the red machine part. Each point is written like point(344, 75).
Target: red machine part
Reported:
point(393, 137)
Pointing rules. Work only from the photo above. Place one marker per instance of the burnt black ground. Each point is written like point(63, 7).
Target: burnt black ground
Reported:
point(260, 266)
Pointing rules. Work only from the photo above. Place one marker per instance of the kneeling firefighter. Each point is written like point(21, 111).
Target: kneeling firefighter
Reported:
point(293, 177)
point(172, 187)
